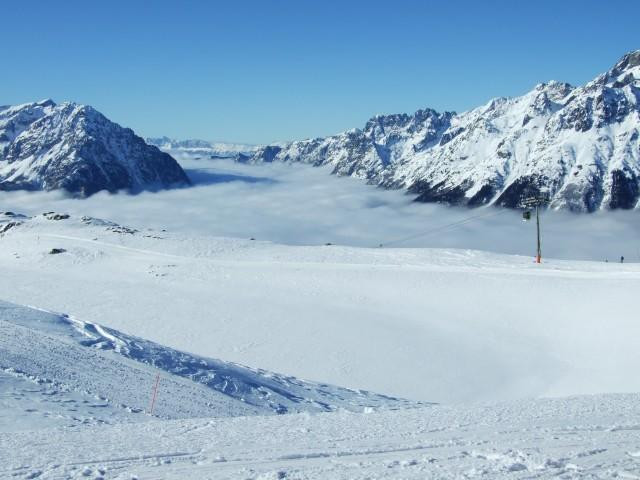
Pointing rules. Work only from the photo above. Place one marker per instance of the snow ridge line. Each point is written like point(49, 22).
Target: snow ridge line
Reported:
point(257, 389)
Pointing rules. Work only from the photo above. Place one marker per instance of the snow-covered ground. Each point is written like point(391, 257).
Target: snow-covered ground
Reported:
point(55, 349)
point(578, 437)
point(73, 408)
point(488, 336)
point(424, 324)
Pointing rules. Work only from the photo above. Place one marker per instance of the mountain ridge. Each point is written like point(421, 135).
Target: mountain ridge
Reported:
point(579, 145)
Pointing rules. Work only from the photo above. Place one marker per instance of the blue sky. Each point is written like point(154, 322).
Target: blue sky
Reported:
point(261, 71)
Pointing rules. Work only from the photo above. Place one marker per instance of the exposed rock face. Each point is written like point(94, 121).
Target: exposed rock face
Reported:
point(44, 146)
point(579, 145)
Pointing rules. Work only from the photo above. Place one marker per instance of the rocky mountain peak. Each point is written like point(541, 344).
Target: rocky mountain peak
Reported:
point(74, 147)
point(46, 103)
point(629, 61)
point(625, 72)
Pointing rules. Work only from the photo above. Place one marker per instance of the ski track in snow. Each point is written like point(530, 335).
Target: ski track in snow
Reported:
point(578, 437)
point(74, 393)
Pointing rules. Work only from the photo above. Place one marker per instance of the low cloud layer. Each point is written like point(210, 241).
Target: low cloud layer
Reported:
point(303, 205)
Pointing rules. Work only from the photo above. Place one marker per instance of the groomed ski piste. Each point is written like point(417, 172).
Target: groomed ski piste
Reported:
point(267, 357)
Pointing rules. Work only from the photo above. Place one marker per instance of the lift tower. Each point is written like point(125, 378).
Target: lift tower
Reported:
point(536, 202)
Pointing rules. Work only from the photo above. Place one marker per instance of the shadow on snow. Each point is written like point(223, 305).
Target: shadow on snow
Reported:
point(207, 176)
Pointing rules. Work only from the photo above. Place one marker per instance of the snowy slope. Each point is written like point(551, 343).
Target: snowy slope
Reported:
point(44, 146)
point(580, 145)
point(440, 325)
point(433, 324)
point(65, 351)
point(580, 437)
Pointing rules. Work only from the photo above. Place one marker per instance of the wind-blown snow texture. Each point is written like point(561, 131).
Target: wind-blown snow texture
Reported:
point(44, 146)
point(579, 144)
point(67, 351)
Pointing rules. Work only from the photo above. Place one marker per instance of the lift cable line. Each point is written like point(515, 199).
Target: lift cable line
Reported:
point(443, 228)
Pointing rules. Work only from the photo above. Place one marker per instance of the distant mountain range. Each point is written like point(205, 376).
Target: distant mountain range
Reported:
point(579, 145)
point(44, 146)
point(202, 147)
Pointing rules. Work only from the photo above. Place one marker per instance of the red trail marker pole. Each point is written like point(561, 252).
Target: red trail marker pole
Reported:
point(155, 393)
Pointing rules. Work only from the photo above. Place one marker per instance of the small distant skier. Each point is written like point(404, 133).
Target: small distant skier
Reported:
point(621, 259)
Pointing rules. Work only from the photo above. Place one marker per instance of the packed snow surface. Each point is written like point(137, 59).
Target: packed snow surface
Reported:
point(435, 325)
point(570, 438)
point(89, 422)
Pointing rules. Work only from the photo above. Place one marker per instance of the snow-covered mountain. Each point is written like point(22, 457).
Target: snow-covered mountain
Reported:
point(577, 144)
point(44, 146)
point(197, 147)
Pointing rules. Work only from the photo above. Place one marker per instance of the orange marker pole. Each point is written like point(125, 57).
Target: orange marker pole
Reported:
point(539, 253)
point(155, 393)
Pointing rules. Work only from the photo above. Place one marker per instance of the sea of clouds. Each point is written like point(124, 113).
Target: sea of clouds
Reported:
point(304, 205)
